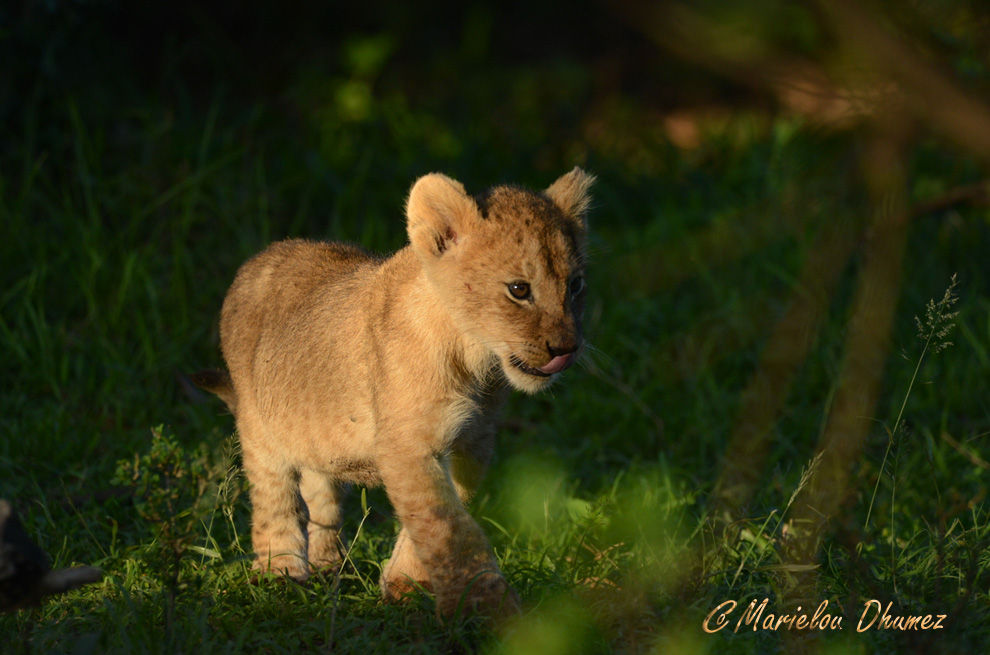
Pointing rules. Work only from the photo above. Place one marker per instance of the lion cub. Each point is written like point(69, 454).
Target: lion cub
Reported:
point(348, 368)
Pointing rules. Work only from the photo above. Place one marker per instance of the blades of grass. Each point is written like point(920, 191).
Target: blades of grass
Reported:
point(188, 183)
point(85, 160)
point(752, 547)
point(357, 534)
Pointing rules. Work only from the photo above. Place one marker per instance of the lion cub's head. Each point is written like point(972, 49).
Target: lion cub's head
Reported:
point(508, 264)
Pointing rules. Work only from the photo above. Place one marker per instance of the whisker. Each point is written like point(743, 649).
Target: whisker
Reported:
point(596, 360)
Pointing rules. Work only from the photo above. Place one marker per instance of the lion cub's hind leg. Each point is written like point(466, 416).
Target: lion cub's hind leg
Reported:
point(276, 514)
point(323, 499)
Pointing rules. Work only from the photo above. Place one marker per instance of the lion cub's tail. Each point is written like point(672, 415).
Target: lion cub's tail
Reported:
point(217, 381)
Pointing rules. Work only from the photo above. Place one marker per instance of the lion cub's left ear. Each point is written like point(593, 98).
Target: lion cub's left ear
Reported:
point(438, 213)
point(570, 193)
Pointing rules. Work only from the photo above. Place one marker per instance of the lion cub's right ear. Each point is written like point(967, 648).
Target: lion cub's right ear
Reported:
point(570, 193)
point(439, 212)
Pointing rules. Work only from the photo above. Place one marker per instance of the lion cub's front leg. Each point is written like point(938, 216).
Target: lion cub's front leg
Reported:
point(440, 546)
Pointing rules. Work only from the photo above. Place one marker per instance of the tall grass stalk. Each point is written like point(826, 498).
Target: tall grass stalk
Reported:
point(806, 476)
point(938, 323)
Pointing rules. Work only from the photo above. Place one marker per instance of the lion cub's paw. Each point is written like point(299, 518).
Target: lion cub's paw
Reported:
point(288, 567)
point(399, 590)
point(325, 555)
point(488, 595)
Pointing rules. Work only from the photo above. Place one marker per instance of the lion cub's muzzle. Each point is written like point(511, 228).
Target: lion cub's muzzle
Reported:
point(561, 358)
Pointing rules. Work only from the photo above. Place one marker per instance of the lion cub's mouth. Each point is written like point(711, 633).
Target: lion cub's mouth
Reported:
point(555, 365)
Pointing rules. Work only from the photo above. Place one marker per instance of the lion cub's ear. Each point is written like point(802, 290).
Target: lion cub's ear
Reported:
point(439, 212)
point(570, 193)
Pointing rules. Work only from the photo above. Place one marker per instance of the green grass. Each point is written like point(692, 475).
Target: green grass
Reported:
point(122, 230)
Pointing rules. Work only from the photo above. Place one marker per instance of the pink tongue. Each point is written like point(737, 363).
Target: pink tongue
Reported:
point(557, 364)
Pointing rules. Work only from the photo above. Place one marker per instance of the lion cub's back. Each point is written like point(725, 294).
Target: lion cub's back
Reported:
point(275, 287)
point(305, 264)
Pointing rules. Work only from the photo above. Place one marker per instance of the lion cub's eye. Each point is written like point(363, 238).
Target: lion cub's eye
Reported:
point(519, 290)
point(577, 285)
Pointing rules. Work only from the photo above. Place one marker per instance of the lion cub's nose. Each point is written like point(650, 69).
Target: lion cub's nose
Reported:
point(561, 358)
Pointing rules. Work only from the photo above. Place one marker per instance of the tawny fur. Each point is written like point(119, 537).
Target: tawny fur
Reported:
point(347, 368)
